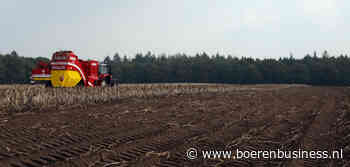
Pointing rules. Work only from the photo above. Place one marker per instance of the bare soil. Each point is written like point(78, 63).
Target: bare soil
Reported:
point(158, 131)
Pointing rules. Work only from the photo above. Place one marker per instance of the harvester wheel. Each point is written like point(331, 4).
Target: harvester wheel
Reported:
point(32, 82)
point(48, 84)
point(80, 84)
point(114, 82)
point(103, 83)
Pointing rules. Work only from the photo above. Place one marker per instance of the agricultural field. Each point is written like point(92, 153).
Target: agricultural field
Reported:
point(155, 124)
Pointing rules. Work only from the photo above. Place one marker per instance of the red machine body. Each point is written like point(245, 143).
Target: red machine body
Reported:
point(41, 73)
point(67, 70)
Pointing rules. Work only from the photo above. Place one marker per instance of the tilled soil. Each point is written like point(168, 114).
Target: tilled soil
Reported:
point(158, 131)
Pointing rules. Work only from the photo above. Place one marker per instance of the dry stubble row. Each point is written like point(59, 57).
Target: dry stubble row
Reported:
point(20, 98)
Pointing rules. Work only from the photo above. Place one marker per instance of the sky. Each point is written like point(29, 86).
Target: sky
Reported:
point(250, 28)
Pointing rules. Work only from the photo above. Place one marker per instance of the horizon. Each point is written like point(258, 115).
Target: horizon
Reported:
point(318, 55)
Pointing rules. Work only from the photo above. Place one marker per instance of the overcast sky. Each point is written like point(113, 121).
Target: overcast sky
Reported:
point(252, 28)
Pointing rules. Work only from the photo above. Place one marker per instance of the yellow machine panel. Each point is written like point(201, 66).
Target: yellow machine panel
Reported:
point(65, 78)
point(41, 78)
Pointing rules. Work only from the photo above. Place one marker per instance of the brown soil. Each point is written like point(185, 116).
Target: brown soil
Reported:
point(158, 131)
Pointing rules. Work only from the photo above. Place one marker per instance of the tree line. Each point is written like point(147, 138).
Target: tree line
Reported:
point(17, 69)
point(315, 69)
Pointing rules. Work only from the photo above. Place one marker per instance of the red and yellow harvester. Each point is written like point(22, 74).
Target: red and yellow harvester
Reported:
point(66, 70)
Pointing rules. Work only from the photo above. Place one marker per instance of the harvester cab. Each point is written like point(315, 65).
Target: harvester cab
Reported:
point(67, 70)
point(104, 71)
